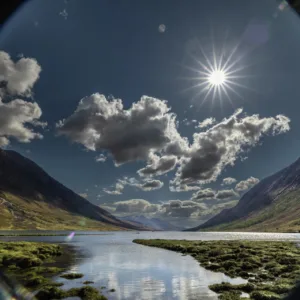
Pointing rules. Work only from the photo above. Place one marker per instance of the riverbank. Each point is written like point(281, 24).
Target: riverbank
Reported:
point(271, 268)
point(33, 264)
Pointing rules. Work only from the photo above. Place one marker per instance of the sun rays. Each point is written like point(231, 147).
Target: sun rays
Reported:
point(218, 74)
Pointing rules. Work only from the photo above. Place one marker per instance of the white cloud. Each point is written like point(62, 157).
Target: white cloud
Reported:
point(151, 185)
point(17, 78)
point(179, 208)
point(206, 123)
point(221, 145)
point(145, 185)
point(135, 206)
point(84, 195)
point(130, 135)
point(228, 181)
point(147, 131)
point(158, 165)
point(118, 190)
point(101, 158)
point(246, 184)
point(16, 119)
point(227, 194)
point(204, 194)
point(175, 186)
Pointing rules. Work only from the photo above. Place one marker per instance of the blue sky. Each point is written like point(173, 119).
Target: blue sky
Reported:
point(115, 48)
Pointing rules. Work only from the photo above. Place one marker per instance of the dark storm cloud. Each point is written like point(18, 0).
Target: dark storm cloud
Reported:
point(158, 165)
point(221, 145)
point(245, 185)
point(17, 78)
point(227, 194)
point(129, 135)
point(204, 194)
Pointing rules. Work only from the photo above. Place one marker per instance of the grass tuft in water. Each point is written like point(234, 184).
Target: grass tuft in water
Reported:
point(72, 275)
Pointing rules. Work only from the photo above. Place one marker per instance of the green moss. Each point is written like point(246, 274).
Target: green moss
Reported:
point(264, 295)
point(272, 268)
point(35, 281)
point(32, 264)
point(88, 282)
point(233, 295)
point(72, 275)
point(226, 286)
point(85, 293)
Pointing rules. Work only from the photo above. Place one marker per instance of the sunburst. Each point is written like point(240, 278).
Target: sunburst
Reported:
point(217, 75)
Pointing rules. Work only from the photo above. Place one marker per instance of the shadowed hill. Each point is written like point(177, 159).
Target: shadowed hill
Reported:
point(28, 191)
point(272, 205)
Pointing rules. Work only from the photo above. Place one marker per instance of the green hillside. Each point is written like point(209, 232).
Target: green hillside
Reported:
point(283, 215)
point(21, 213)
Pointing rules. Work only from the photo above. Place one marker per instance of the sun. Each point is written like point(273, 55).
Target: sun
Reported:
point(217, 77)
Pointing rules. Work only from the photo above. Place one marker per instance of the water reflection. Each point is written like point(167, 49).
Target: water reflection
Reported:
point(140, 272)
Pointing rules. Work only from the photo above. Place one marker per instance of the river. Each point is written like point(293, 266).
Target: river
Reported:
point(139, 272)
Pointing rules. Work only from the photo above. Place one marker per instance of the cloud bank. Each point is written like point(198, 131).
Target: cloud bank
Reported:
point(147, 131)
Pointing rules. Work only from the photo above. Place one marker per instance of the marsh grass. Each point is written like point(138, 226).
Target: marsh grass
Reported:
point(72, 276)
point(85, 293)
point(271, 268)
point(33, 265)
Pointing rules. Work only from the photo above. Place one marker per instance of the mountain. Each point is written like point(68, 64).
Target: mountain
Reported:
point(154, 223)
point(271, 205)
point(31, 199)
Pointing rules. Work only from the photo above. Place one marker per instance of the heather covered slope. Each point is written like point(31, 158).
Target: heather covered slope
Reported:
point(271, 205)
point(31, 199)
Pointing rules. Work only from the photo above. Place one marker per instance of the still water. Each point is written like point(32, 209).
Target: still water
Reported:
point(112, 261)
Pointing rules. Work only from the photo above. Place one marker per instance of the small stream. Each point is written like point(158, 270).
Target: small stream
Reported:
point(135, 271)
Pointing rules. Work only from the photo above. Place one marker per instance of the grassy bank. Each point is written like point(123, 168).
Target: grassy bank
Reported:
point(34, 264)
point(271, 268)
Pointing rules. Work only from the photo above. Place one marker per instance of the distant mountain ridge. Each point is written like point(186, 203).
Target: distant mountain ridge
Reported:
point(271, 205)
point(154, 223)
point(29, 187)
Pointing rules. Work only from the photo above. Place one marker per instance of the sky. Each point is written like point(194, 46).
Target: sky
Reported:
point(164, 108)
